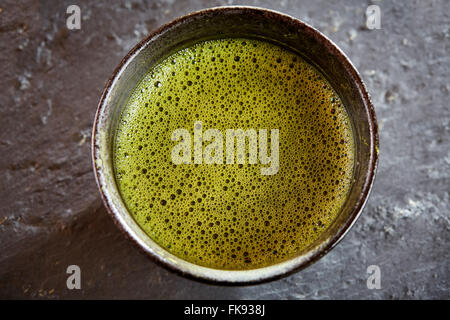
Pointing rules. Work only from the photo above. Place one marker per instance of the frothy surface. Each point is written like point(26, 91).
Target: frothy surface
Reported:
point(230, 216)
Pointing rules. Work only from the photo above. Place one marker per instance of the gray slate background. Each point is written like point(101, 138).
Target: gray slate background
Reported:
point(51, 215)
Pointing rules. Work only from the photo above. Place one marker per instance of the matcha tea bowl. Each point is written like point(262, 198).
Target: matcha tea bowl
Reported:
point(235, 145)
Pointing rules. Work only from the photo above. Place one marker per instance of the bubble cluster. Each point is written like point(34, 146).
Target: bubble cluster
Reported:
point(230, 216)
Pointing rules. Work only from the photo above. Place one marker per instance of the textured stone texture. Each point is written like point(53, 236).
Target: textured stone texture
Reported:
point(51, 215)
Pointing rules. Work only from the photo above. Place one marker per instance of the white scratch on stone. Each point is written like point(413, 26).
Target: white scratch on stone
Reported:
point(85, 134)
point(352, 34)
point(24, 80)
point(24, 44)
point(43, 55)
point(139, 32)
point(45, 116)
point(424, 204)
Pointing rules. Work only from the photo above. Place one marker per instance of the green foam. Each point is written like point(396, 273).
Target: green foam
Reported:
point(230, 216)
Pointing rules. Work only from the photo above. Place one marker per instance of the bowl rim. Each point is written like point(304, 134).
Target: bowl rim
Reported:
point(263, 274)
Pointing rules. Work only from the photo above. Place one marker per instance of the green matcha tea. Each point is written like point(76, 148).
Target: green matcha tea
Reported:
point(228, 214)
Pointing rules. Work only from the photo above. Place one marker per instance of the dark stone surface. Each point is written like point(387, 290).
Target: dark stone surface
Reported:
point(51, 215)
